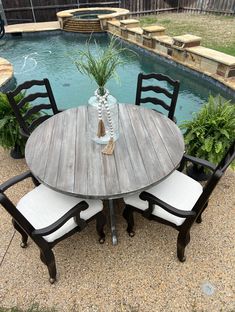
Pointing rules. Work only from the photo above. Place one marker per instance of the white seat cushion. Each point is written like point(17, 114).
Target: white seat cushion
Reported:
point(177, 190)
point(42, 206)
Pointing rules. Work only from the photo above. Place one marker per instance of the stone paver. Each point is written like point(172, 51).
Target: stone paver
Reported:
point(213, 55)
point(6, 71)
point(32, 27)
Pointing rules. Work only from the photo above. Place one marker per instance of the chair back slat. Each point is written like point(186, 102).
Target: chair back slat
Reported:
point(155, 101)
point(27, 85)
point(36, 109)
point(141, 89)
point(23, 117)
point(37, 122)
point(30, 98)
point(160, 77)
point(157, 89)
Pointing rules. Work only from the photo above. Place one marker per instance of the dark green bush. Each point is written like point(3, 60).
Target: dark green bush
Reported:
point(10, 135)
point(211, 131)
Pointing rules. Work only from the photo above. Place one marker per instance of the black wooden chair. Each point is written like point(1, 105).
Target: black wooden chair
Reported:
point(48, 217)
point(27, 125)
point(144, 86)
point(179, 200)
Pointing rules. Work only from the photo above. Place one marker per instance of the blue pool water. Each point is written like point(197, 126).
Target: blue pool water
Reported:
point(91, 14)
point(51, 55)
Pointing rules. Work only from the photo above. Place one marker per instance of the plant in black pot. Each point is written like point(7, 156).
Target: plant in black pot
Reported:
point(10, 136)
point(209, 134)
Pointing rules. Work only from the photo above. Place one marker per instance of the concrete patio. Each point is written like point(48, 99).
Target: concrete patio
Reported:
point(139, 274)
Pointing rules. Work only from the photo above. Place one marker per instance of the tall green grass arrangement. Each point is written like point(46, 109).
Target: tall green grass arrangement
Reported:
point(101, 66)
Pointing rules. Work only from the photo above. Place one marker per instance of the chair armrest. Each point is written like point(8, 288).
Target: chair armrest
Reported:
point(73, 212)
point(156, 201)
point(4, 186)
point(197, 161)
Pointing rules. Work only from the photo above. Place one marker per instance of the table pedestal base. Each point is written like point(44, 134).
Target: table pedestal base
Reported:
point(112, 221)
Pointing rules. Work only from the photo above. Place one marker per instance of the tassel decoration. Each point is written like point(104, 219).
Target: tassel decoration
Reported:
point(109, 148)
point(101, 129)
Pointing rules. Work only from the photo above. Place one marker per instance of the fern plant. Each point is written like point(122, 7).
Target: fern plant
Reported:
point(211, 131)
point(10, 135)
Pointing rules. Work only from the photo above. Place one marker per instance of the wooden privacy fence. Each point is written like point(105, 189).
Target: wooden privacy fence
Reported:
point(209, 6)
point(141, 7)
point(19, 11)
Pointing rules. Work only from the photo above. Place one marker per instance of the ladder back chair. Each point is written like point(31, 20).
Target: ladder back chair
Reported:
point(47, 217)
point(179, 200)
point(143, 89)
point(27, 124)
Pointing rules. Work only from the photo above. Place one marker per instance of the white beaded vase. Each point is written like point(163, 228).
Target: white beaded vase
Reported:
point(93, 118)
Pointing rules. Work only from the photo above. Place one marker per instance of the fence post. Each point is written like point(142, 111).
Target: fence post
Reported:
point(34, 18)
point(2, 13)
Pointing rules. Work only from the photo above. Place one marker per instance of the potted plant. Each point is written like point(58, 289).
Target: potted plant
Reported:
point(10, 136)
point(103, 107)
point(210, 133)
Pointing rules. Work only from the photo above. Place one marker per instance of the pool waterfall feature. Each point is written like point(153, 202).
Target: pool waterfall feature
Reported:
point(89, 20)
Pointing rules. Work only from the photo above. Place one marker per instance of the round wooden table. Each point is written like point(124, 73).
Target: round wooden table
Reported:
point(61, 154)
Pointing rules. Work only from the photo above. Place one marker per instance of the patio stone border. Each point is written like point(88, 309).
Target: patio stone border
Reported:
point(6, 73)
point(184, 49)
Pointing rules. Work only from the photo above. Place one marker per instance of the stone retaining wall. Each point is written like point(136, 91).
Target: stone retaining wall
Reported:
point(184, 49)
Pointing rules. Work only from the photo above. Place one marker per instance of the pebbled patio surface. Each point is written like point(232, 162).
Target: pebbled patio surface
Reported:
point(140, 274)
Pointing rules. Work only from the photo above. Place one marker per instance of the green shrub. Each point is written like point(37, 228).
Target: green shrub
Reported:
point(10, 135)
point(211, 131)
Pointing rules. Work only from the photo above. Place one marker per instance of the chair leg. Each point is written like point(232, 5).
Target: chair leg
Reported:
point(182, 241)
point(199, 218)
point(24, 236)
point(100, 223)
point(35, 181)
point(48, 258)
point(128, 216)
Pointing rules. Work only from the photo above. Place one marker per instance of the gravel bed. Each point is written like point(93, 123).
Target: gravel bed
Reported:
point(140, 274)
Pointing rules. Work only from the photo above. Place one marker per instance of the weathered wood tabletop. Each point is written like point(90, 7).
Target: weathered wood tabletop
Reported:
point(61, 154)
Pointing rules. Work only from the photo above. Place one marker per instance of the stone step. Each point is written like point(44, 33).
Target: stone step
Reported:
point(82, 26)
point(82, 31)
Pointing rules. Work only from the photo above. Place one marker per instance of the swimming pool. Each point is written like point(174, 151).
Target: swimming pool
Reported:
point(91, 14)
point(50, 55)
